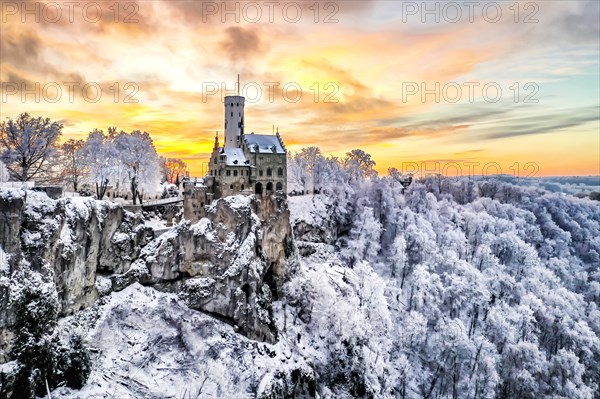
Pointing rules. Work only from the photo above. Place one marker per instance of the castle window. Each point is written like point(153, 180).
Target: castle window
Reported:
point(232, 114)
point(215, 162)
point(219, 172)
point(231, 187)
point(269, 172)
point(238, 104)
point(280, 172)
point(235, 173)
point(260, 173)
point(260, 160)
point(279, 186)
point(228, 173)
point(242, 187)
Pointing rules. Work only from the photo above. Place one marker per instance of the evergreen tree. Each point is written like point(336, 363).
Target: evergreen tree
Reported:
point(41, 356)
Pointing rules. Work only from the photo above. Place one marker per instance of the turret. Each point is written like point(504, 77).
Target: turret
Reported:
point(216, 146)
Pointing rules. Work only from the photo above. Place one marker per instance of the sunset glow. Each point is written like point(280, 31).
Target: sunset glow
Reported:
point(362, 69)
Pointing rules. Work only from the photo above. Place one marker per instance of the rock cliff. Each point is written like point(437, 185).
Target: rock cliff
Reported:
point(230, 264)
point(69, 240)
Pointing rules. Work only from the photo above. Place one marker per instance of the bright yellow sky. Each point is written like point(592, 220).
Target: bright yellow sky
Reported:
point(166, 55)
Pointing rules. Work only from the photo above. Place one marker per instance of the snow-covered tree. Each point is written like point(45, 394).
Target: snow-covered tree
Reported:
point(26, 144)
point(43, 361)
point(360, 164)
point(140, 162)
point(100, 157)
point(306, 169)
point(365, 235)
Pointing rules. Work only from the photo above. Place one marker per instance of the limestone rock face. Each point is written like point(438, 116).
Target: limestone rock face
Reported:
point(230, 264)
point(69, 239)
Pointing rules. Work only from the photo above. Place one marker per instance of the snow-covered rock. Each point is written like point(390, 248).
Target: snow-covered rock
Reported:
point(230, 263)
point(70, 239)
point(148, 344)
point(239, 253)
point(314, 220)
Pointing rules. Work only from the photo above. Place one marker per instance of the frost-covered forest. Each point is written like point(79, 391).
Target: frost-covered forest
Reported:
point(454, 289)
point(458, 288)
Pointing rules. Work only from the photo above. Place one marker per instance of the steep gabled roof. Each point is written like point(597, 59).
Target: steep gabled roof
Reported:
point(264, 144)
point(235, 156)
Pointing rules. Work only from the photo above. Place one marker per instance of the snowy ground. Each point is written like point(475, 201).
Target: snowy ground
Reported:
point(307, 208)
point(156, 223)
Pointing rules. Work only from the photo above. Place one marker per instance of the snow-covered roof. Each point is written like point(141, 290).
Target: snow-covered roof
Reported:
point(235, 156)
point(264, 144)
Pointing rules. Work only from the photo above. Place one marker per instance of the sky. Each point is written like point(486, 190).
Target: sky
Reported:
point(474, 87)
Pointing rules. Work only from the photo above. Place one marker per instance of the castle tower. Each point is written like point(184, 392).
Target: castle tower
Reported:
point(234, 120)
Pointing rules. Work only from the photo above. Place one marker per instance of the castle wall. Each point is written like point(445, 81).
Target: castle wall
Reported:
point(195, 199)
point(270, 168)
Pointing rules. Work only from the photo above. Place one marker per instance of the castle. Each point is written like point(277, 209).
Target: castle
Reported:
point(245, 164)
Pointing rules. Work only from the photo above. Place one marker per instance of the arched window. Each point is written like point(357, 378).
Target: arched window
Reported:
point(258, 188)
point(280, 172)
point(269, 172)
point(269, 186)
point(279, 186)
point(231, 187)
point(243, 187)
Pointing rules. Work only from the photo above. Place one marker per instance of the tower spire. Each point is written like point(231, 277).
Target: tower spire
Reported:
point(238, 85)
point(216, 140)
